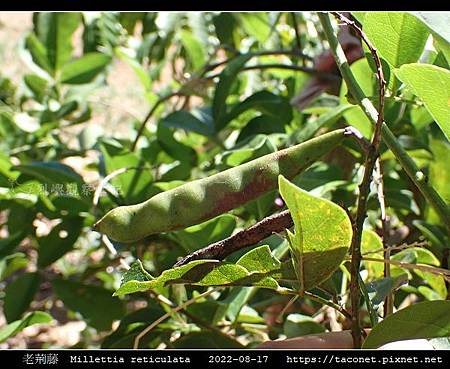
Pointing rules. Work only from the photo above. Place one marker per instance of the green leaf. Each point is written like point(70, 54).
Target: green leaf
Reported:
point(435, 235)
point(371, 242)
point(206, 339)
point(256, 25)
point(84, 69)
point(380, 288)
point(139, 70)
point(259, 260)
point(94, 303)
point(7, 245)
point(227, 77)
point(173, 147)
point(366, 79)
point(224, 25)
point(399, 37)
point(50, 172)
point(132, 184)
point(36, 317)
point(59, 241)
point(55, 31)
point(261, 124)
point(89, 136)
point(253, 269)
point(432, 85)
point(439, 175)
point(189, 121)
point(194, 49)
point(19, 294)
point(36, 84)
point(248, 150)
point(416, 255)
point(38, 53)
point(131, 325)
point(275, 106)
point(297, 325)
point(136, 273)
point(324, 120)
point(427, 319)
point(12, 263)
point(201, 235)
point(128, 20)
point(323, 234)
point(438, 25)
point(239, 296)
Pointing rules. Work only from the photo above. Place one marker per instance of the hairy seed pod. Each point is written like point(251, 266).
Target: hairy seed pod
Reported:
point(206, 198)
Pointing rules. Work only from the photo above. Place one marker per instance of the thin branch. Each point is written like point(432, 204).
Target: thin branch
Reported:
point(332, 304)
point(319, 299)
point(297, 68)
point(363, 142)
point(295, 52)
point(444, 273)
point(245, 238)
point(396, 248)
point(369, 164)
point(106, 180)
point(150, 114)
point(167, 315)
point(279, 318)
point(194, 318)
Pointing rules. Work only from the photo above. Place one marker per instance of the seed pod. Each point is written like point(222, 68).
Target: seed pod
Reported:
point(206, 198)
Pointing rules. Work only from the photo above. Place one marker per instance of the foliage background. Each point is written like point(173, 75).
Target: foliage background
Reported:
point(73, 124)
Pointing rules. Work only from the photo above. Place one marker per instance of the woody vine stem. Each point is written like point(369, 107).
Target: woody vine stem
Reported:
point(383, 131)
point(364, 187)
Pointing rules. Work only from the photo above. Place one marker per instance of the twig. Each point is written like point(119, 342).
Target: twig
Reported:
point(444, 273)
point(319, 299)
point(295, 52)
point(167, 315)
point(279, 318)
point(193, 317)
point(247, 237)
point(369, 164)
point(363, 142)
point(149, 115)
point(106, 180)
point(332, 304)
point(297, 68)
point(396, 248)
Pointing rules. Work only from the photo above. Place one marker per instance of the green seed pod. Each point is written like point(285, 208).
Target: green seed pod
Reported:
point(206, 198)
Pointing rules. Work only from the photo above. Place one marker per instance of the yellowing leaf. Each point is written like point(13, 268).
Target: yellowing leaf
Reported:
point(323, 233)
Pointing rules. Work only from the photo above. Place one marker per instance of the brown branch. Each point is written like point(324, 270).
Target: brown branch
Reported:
point(297, 68)
point(364, 187)
point(294, 52)
point(444, 273)
point(245, 238)
point(396, 248)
